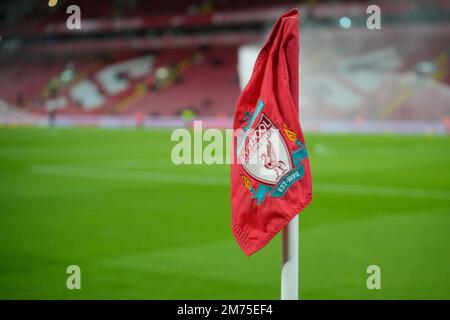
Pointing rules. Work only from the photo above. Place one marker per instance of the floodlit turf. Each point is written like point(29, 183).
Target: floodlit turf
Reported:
point(139, 227)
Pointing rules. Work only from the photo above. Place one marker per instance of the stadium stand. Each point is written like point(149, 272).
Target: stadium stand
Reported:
point(163, 83)
point(155, 59)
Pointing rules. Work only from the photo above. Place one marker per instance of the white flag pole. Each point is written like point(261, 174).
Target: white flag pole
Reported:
point(289, 267)
point(289, 262)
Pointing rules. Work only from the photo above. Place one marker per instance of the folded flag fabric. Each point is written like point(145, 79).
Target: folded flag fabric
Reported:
point(270, 171)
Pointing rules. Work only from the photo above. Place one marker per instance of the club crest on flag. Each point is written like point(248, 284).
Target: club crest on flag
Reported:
point(265, 156)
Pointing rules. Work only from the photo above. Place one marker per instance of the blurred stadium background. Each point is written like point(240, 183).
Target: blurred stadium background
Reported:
point(80, 185)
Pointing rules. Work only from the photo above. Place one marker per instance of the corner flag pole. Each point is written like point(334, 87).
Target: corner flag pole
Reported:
point(289, 266)
point(289, 262)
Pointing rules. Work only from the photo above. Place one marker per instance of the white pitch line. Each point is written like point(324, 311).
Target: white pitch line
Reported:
point(382, 191)
point(114, 174)
point(201, 179)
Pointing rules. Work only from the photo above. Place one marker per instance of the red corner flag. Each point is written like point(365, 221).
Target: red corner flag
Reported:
point(270, 175)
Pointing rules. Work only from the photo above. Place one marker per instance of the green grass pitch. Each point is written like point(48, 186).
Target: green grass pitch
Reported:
point(111, 202)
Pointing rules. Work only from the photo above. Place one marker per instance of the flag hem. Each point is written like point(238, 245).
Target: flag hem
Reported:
point(255, 248)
